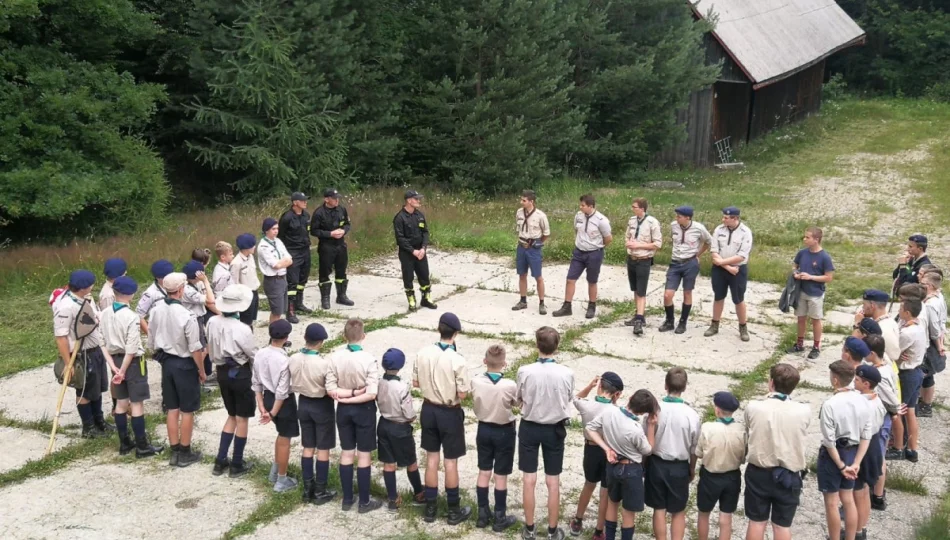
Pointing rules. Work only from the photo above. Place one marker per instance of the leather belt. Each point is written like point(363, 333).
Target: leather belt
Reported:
point(681, 261)
point(458, 406)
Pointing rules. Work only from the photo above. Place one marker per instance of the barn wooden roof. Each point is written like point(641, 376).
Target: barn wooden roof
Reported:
point(773, 39)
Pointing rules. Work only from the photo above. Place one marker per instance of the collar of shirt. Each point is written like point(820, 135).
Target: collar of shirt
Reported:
point(352, 347)
point(309, 351)
point(494, 377)
point(171, 301)
point(388, 377)
point(673, 399)
point(447, 346)
point(602, 399)
point(629, 414)
point(545, 360)
point(74, 298)
point(116, 306)
point(160, 288)
point(726, 420)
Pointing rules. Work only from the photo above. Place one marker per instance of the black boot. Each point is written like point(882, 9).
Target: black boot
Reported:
point(503, 522)
point(427, 299)
point(458, 514)
point(411, 296)
point(341, 293)
point(144, 449)
point(565, 310)
point(90, 431)
point(308, 487)
point(292, 312)
point(591, 310)
point(322, 495)
point(301, 308)
point(484, 517)
point(431, 510)
point(104, 427)
point(325, 295)
point(126, 446)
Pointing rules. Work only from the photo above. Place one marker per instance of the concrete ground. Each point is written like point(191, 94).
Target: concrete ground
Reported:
point(147, 499)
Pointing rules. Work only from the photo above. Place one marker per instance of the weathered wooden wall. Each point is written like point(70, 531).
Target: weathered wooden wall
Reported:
point(786, 101)
point(696, 149)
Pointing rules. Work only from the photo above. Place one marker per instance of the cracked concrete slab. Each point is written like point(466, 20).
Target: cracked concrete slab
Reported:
point(24, 445)
point(464, 268)
point(374, 297)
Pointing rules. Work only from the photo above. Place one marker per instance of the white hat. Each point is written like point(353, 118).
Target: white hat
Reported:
point(235, 298)
point(174, 282)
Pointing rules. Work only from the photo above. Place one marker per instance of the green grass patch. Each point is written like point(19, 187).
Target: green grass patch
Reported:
point(936, 527)
point(57, 461)
point(898, 480)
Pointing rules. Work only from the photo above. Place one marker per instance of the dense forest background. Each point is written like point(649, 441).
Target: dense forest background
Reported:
point(115, 112)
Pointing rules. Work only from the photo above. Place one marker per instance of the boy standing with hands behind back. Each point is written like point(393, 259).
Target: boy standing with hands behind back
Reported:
point(722, 449)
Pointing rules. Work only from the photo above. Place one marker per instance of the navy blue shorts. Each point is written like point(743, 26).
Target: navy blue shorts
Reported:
point(766, 499)
point(723, 282)
point(830, 479)
point(911, 381)
point(356, 423)
point(685, 273)
point(595, 464)
point(718, 488)
point(286, 419)
point(495, 444)
point(549, 438)
point(585, 260)
point(625, 483)
point(871, 465)
point(526, 258)
point(667, 484)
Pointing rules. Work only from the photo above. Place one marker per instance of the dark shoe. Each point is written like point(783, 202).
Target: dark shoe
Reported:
point(924, 410)
point(419, 499)
point(629, 322)
point(307, 496)
point(519, 306)
point(638, 327)
point(680, 328)
point(910, 455)
point(373, 504)
point(325, 296)
point(744, 332)
point(565, 310)
point(427, 302)
point(591, 311)
point(430, 512)
point(712, 330)
point(795, 349)
point(503, 522)
point(879, 503)
point(813, 354)
point(145, 449)
point(577, 526)
point(301, 308)
point(292, 314)
point(105, 427)
point(393, 506)
point(541, 309)
point(90, 431)
point(893, 454)
point(322, 495)
point(220, 467)
point(341, 297)
point(173, 457)
point(126, 446)
point(188, 458)
point(458, 514)
point(484, 517)
point(347, 506)
point(666, 326)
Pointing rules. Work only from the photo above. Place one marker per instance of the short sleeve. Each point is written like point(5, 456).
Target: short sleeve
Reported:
point(701, 445)
point(463, 382)
point(798, 258)
point(61, 322)
point(545, 226)
point(829, 265)
point(604, 227)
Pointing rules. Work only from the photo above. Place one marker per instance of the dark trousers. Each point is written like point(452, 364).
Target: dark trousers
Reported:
point(332, 259)
point(299, 272)
point(411, 265)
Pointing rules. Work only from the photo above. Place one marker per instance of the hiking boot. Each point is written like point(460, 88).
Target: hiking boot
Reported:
point(744, 332)
point(924, 410)
point(541, 309)
point(638, 327)
point(556, 535)
point(341, 297)
point(577, 525)
point(144, 449)
point(419, 499)
point(879, 503)
point(503, 522)
point(173, 457)
point(292, 314)
point(322, 495)
point(237, 470)
point(519, 306)
point(427, 303)
point(393, 507)
point(894, 454)
point(373, 504)
point(591, 310)
point(325, 296)
point(220, 466)
point(666, 326)
point(347, 506)
point(712, 330)
point(814, 353)
point(565, 310)
point(307, 496)
point(458, 514)
point(189, 457)
point(430, 512)
point(272, 475)
point(484, 517)
point(284, 484)
point(301, 308)
point(105, 427)
point(680, 328)
point(126, 446)
point(526, 534)
point(795, 349)
point(630, 322)
point(910, 455)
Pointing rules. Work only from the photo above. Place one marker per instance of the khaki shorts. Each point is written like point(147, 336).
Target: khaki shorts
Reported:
point(812, 307)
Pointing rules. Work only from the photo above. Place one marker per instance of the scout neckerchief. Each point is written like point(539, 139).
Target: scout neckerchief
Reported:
point(352, 347)
point(309, 351)
point(116, 306)
point(672, 399)
point(388, 377)
point(527, 216)
point(445, 346)
point(494, 377)
point(273, 244)
point(74, 298)
point(636, 234)
point(779, 396)
point(602, 399)
point(171, 301)
point(683, 233)
point(236, 316)
point(729, 240)
point(545, 360)
point(629, 414)
point(725, 420)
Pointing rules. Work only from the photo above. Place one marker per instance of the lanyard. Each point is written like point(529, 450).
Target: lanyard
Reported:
point(161, 289)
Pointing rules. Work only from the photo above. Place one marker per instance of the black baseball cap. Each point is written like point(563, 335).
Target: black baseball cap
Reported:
point(298, 196)
point(332, 193)
point(413, 194)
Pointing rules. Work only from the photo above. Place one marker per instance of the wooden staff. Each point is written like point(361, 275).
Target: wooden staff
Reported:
point(62, 393)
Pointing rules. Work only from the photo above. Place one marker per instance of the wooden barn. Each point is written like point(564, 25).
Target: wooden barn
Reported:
point(773, 61)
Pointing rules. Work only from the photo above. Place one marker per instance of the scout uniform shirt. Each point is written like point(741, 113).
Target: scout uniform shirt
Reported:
point(891, 334)
point(913, 339)
point(845, 415)
point(532, 226)
point(271, 372)
point(194, 298)
point(441, 374)
point(493, 397)
point(149, 298)
point(65, 311)
point(677, 431)
point(121, 331)
point(590, 231)
point(623, 433)
point(106, 296)
point(591, 408)
point(308, 373)
point(644, 230)
point(777, 429)
point(352, 368)
point(545, 391)
point(173, 329)
point(888, 389)
point(721, 445)
point(394, 400)
point(271, 252)
point(731, 242)
point(228, 337)
point(244, 272)
point(687, 241)
point(936, 309)
point(221, 277)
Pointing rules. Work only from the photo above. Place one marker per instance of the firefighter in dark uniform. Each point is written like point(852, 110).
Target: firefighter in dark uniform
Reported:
point(331, 224)
point(295, 234)
point(412, 238)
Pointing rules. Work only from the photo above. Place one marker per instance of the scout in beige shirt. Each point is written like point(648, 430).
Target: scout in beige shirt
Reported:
point(533, 231)
point(244, 272)
point(730, 248)
point(494, 396)
point(722, 449)
point(441, 374)
point(642, 240)
point(112, 269)
point(155, 292)
point(397, 447)
point(276, 403)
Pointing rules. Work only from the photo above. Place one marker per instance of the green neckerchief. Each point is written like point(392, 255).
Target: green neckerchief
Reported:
point(352, 347)
point(171, 301)
point(388, 377)
point(629, 414)
point(232, 315)
point(116, 306)
point(726, 420)
point(778, 395)
point(445, 346)
point(671, 399)
point(74, 298)
point(601, 399)
point(494, 377)
point(309, 351)
point(545, 360)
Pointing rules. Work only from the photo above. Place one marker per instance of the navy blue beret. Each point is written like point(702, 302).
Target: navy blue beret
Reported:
point(162, 268)
point(730, 211)
point(870, 327)
point(684, 211)
point(857, 346)
point(268, 224)
point(125, 285)
point(246, 241)
point(315, 332)
point(393, 359)
point(114, 268)
point(279, 329)
point(192, 268)
point(450, 320)
point(81, 279)
point(613, 379)
point(874, 295)
point(726, 401)
point(918, 239)
point(868, 373)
